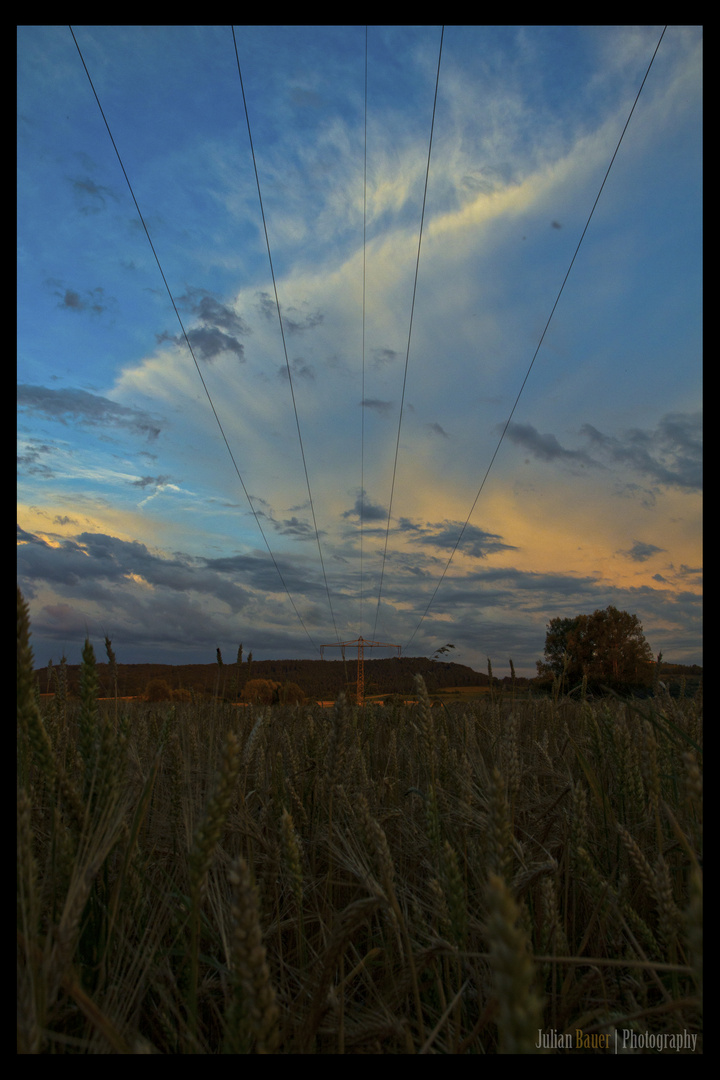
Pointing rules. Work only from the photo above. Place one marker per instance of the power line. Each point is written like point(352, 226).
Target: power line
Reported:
point(412, 312)
point(282, 335)
point(542, 338)
point(187, 340)
point(362, 396)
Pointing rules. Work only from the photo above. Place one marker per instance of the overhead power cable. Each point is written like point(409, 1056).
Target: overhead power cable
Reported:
point(412, 312)
point(539, 345)
point(362, 396)
point(187, 342)
point(282, 335)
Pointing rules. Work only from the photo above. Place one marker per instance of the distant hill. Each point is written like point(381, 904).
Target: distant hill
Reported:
point(317, 678)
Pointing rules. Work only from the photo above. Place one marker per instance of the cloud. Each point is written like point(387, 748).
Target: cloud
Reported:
point(90, 562)
point(641, 552)
point(297, 325)
point(298, 528)
point(81, 407)
point(208, 342)
point(670, 455)
point(92, 194)
point(364, 508)
point(212, 312)
point(161, 607)
point(294, 321)
point(293, 526)
point(381, 357)
point(474, 541)
point(92, 300)
point(437, 430)
point(266, 305)
point(299, 368)
point(221, 329)
point(544, 447)
point(382, 408)
point(150, 481)
point(30, 461)
point(24, 537)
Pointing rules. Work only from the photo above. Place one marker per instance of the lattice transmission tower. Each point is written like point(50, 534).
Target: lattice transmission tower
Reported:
point(362, 644)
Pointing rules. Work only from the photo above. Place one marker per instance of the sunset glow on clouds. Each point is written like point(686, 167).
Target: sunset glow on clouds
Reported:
point(132, 519)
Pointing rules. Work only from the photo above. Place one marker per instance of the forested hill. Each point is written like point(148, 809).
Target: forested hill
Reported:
point(317, 678)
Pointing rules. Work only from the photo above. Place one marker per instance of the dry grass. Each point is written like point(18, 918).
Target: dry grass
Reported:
point(202, 879)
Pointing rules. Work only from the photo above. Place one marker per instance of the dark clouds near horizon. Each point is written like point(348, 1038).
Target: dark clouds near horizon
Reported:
point(176, 609)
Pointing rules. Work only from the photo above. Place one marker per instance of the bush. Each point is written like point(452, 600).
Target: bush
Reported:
point(261, 691)
point(158, 690)
point(291, 694)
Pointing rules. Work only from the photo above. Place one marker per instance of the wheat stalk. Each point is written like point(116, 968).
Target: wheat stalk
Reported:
point(519, 1006)
point(252, 1016)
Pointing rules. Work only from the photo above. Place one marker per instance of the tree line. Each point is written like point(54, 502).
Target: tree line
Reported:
point(316, 679)
point(605, 650)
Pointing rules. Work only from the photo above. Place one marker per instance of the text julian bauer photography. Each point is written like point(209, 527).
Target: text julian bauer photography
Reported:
point(618, 1041)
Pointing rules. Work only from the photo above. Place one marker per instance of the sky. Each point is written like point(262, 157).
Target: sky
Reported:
point(312, 394)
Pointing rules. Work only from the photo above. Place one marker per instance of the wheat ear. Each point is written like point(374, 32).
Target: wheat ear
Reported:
point(252, 1016)
point(520, 1008)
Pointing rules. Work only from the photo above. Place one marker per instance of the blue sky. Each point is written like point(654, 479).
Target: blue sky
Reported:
point(361, 434)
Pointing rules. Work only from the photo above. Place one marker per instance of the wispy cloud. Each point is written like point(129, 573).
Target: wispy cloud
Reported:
point(470, 539)
point(299, 368)
point(437, 429)
point(545, 447)
point(382, 408)
point(150, 481)
point(93, 300)
point(91, 195)
point(75, 406)
point(382, 356)
point(670, 454)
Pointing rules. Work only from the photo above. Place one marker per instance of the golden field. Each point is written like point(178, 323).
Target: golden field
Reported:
point(195, 878)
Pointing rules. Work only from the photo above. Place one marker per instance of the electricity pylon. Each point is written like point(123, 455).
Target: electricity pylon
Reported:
point(362, 644)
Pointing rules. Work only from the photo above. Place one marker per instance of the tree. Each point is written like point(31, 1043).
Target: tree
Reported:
point(238, 670)
point(158, 690)
point(608, 648)
point(261, 691)
point(290, 693)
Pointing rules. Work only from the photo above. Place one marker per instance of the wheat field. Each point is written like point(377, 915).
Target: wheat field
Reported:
point(201, 879)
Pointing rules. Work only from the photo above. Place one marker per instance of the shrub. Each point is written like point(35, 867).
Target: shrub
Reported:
point(261, 691)
point(290, 694)
point(158, 690)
